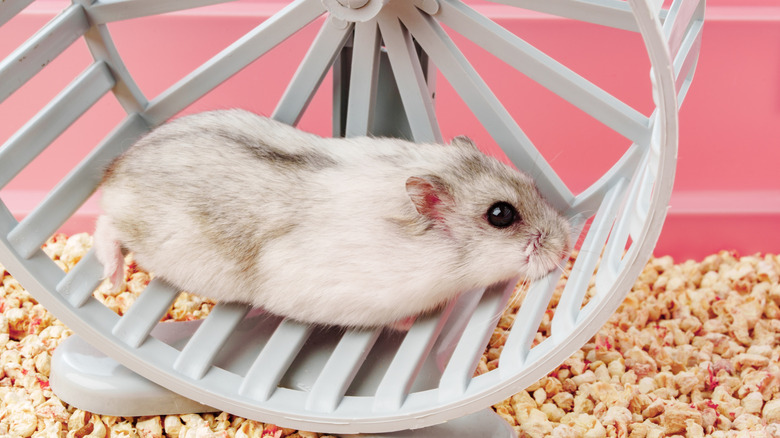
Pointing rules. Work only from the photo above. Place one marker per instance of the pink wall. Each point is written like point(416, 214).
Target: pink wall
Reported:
point(727, 190)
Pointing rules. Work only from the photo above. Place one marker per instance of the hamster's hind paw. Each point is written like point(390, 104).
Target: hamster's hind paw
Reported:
point(109, 253)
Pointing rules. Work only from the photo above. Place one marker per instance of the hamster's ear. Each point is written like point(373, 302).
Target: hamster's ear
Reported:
point(464, 141)
point(430, 196)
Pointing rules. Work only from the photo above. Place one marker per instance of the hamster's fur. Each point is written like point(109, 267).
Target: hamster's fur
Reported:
point(355, 232)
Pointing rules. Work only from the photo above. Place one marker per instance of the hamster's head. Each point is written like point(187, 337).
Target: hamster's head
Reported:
point(493, 215)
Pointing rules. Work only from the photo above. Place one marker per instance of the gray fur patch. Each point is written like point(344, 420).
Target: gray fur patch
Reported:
point(264, 152)
point(235, 237)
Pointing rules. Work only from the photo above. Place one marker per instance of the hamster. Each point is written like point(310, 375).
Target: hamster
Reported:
point(355, 232)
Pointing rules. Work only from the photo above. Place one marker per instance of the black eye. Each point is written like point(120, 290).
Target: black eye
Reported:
point(501, 215)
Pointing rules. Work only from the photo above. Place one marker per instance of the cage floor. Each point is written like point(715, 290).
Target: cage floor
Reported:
point(694, 350)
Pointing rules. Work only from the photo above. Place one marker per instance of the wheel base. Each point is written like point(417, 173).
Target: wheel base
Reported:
point(84, 377)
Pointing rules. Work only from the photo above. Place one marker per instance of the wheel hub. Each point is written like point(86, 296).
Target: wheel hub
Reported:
point(365, 10)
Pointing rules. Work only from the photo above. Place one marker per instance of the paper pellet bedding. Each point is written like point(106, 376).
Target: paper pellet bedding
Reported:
point(694, 350)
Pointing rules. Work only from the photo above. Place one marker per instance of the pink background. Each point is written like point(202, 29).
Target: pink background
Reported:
point(727, 189)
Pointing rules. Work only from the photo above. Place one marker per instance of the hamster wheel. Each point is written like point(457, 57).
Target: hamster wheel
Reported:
point(354, 381)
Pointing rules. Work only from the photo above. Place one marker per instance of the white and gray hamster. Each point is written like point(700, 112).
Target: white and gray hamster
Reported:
point(339, 231)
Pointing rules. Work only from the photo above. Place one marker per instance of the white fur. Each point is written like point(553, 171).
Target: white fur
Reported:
point(326, 236)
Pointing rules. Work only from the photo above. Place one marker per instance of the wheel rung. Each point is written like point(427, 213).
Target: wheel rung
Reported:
point(615, 246)
point(136, 324)
point(463, 307)
point(200, 351)
point(528, 318)
point(79, 284)
point(273, 361)
point(106, 11)
point(11, 8)
point(573, 293)
point(311, 72)
point(460, 368)
point(408, 360)
point(677, 22)
point(53, 119)
point(28, 236)
point(338, 372)
point(35, 53)
point(688, 55)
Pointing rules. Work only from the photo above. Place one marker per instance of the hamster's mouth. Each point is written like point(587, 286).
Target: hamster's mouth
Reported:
point(537, 266)
point(542, 261)
point(543, 255)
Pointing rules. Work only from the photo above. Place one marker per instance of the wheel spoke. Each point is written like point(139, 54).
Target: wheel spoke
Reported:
point(105, 11)
point(590, 199)
point(11, 8)
point(611, 13)
point(238, 55)
point(546, 71)
point(363, 79)
point(486, 107)
point(409, 76)
point(311, 71)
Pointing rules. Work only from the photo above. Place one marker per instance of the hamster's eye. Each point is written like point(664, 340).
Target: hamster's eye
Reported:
point(501, 215)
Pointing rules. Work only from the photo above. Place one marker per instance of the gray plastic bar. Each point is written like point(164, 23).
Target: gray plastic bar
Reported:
point(134, 327)
point(73, 190)
point(273, 361)
point(637, 205)
point(114, 10)
point(686, 59)
point(611, 13)
point(408, 360)
point(408, 74)
point(570, 303)
point(35, 53)
point(463, 308)
point(312, 70)
point(53, 119)
point(457, 375)
point(126, 91)
point(363, 79)
point(486, 107)
point(80, 282)
point(591, 198)
point(527, 323)
point(615, 248)
point(546, 71)
point(200, 351)
point(680, 16)
point(228, 62)
point(11, 8)
point(338, 372)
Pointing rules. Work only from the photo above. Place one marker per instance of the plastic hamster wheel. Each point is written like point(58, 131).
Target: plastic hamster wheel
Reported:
point(355, 381)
